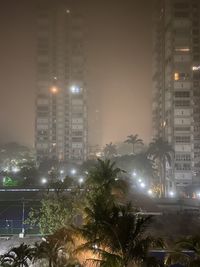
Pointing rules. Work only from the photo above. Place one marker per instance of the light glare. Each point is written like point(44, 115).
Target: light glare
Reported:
point(44, 180)
point(73, 171)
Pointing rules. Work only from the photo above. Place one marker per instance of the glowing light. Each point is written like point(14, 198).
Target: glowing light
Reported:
point(176, 76)
point(143, 185)
point(140, 180)
point(95, 246)
point(44, 181)
point(15, 169)
point(171, 194)
point(150, 192)
point(75, 89)
point(134, 174)
point(81, 180)
point(68, 11)
point(196, 68)
point(73, 171)
point(184, 49)
point(54, 90)
point(99, 154)
point(61, 171)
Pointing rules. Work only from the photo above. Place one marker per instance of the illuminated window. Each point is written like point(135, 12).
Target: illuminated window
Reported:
point(182, 49)
point(181, 76)
point(176, 76)
point(196, 68)
point(54, 90)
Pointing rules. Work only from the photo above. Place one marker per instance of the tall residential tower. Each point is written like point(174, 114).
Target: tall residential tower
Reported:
point(176, 82)
point(61, 102)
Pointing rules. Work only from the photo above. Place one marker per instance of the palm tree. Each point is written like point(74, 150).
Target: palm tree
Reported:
point(134, 140)
point(105, 177)
point(56, 248)
point(117, 235)
point(186, 252)
point(160, 150)
point(191, 243)
point(110, 150)
point(19, 256)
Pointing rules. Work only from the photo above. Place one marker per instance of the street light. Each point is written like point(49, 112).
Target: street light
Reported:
point(44, 181)
point(171, 194)
point(150, 192)
point(15, 169)
point(143, 185)
point(73, 171)
point(134, 174)
point(81, 180)
point(61, 171)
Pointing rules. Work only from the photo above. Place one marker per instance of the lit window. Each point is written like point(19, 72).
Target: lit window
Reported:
point(176, 76)
point(181, 76)
point(182, 49)
point(196, 68)
point(75, 89)
point(54, 90)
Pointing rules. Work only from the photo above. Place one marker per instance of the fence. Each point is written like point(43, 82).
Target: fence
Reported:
point(15, 227)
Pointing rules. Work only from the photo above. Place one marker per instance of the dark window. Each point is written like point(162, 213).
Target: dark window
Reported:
point(195, 32)
point(182, 94)
point(182, 139)
point(182, 103)
point(181, 14)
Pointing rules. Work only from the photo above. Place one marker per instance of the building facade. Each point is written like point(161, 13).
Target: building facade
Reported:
point(61, 95)
point(176, 86)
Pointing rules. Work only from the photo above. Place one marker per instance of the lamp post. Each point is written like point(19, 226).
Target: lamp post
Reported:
point(21, 235)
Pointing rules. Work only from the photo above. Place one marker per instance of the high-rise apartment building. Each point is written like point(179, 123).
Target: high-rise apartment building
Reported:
point(176, 82)
point(61, 102)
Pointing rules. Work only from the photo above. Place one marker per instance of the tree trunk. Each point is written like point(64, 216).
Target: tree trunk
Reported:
point(50, 264)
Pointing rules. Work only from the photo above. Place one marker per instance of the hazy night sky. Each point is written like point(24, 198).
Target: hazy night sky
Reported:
point(119, 69)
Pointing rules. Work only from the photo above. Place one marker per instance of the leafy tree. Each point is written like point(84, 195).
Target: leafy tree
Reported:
point(19, 256)
point(28, 172)
point(60, 186)
point(53, 214)
point(110, 150)
point(134, 140)
point(160, 150)
point(116, 234)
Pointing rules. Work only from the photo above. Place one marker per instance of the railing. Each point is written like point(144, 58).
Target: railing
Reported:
point(15, 227)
